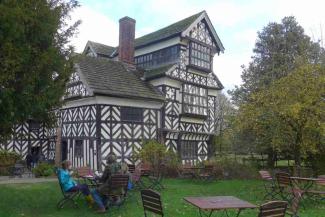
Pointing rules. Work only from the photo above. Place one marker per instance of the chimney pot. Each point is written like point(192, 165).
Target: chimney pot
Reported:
point(126, 40)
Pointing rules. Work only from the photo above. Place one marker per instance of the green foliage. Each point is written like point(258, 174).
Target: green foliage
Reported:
point(228, 168)
point(280, 48)
point(289, 115)
point(43, 170)
point(157, 155)
point(35, 59)
point(8, 158)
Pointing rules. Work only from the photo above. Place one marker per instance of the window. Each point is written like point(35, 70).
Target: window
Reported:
point(189, 149)
point(200, 56)
point(131, 114)
point(78, 149)
point(160, 57)
point(195, 100)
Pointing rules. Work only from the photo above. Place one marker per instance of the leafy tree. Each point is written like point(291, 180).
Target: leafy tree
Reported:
point(279, 49)
point(35, 59)
point(289, 115)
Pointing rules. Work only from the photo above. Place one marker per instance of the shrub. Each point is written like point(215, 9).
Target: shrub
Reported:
point(43, 170)
point(226, 168)
point(8, 158)
point(157, 155)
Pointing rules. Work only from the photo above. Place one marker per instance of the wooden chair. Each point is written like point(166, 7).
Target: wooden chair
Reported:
point(67, 196)
point(151, 202)
point(118, 182)
point(273, 209)
point(207, 173)
point(269, 184)
point(83, 176)
point(131, 168)
point(293, 211)
point(285, 185)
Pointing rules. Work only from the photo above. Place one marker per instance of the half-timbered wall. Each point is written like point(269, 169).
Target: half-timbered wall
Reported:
point(75, 87)
point(124, 138)
point(79, 124)
point(24, 138)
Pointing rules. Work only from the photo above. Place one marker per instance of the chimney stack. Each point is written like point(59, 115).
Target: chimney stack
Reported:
point(126, 40)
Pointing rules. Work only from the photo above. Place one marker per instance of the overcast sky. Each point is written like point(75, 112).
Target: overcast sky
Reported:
point(235, 21)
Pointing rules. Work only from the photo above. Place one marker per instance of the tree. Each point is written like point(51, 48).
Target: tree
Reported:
point(35, 59)
point(289, 115)
point(279, 49)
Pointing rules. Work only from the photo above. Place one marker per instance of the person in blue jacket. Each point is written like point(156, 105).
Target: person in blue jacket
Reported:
point(70, 185)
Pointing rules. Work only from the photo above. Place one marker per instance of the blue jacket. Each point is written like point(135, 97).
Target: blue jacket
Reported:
point(65, 179)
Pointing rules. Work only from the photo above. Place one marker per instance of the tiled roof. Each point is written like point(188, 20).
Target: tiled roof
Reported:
point(113, 78)
point(171, 30)
point(102, 49)
point(157, 72)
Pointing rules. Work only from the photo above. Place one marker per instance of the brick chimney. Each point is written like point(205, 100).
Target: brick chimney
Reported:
point(126, 40)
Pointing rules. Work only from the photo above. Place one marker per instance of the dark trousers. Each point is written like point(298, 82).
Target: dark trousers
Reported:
point(83, 188)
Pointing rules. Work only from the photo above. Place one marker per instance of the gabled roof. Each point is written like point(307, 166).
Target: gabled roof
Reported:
point(100, 49)
point(169, 31)
point(112, 78)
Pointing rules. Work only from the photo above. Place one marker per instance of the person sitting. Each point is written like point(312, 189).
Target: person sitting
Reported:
point(113, 167)
point(70, 185)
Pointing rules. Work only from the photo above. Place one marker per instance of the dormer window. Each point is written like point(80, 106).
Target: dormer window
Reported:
point(195, 100)
point(200, 56)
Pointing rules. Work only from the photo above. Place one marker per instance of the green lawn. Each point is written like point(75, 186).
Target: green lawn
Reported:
point(39, 200)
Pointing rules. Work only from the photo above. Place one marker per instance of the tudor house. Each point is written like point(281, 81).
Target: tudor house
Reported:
point(160, 86)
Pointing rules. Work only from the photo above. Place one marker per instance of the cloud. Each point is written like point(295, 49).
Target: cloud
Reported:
point(94, 27)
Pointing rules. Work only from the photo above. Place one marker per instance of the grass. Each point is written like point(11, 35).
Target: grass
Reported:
point(39, 200)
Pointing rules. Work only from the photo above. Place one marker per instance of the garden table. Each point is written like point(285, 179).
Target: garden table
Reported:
point(307, 182)
point(218, 203)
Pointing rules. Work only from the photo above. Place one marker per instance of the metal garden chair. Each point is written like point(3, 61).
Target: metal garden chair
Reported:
point(273, 209)
point(269, 184)
point(151, 201)
point(207, 173)
point(67, 196)
point(118, 182)
point(285, 185)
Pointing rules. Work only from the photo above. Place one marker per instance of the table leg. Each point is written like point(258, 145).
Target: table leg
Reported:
point(239, 210)
point(202, 214)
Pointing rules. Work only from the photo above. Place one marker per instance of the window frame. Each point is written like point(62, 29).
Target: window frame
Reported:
point(193, 49)
point(189, 149)
point(198, 105)
point(125, 114)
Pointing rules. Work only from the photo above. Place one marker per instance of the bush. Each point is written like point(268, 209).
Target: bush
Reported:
point(157, 155)
point(226, 168)
point(43, 170)
point(8, 158)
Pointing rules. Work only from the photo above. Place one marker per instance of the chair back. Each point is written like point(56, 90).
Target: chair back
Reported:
point(283, 179)
point(131, 168)
point(151, 202)
point(265, 175)
point(119, 181)
point(84, 171)
point(273, 209)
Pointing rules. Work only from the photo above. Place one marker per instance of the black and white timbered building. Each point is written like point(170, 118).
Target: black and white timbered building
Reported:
point(160, 86)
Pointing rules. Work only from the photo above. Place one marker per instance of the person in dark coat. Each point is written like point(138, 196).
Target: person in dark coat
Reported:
point(29, 160)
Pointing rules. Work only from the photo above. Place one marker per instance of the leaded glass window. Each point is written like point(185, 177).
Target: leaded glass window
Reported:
point(189, 149)
point(200, 55)
point(195, 100)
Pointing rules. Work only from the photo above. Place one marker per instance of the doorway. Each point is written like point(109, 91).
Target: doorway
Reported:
point(64, 150)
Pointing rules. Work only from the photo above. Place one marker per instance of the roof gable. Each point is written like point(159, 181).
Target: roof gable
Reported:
point(99, 49)
point(204, 17)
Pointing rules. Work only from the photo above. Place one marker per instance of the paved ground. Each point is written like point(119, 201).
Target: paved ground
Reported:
point(23, 180)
